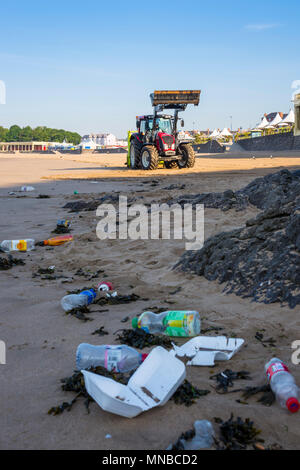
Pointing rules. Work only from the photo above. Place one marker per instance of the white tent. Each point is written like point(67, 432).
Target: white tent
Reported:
point(288, 120)
point(225, 133)
point(263, 124)
point(277, 119)
point(215, 133)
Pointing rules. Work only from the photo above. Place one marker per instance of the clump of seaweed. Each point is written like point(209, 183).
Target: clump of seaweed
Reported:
point(9, 262)
point(139, 339)
point(75, 383)
point(118, 299)
point(100, 331)
point(267, 398)
point(80, 313)
point(187, 394)
point(265, 342)
point(237, 434)
point(225, 379)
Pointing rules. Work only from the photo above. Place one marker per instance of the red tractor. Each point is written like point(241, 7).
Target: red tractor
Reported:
point(157, 139)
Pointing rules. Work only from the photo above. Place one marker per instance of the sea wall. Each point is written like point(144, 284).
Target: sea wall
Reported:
point(285, 141)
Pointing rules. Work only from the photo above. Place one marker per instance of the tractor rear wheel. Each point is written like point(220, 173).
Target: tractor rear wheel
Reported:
point(188, 156)
point(134, 155)
point(149, 158)
point(171, 164)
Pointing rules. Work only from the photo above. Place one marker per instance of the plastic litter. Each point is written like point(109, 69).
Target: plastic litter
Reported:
point(27, 188)
point(84, 298)
point(205, 350)
point(56, 241)
point(153, 383)
point(203, 437)
point(283, 384)
point(113, 358)
point(171, 323)
point(17, 245)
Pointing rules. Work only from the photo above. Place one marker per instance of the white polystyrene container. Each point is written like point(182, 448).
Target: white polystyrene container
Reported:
point(205, 350)
point(153, 383)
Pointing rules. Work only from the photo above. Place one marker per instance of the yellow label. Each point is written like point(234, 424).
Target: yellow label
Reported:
point(22, 245)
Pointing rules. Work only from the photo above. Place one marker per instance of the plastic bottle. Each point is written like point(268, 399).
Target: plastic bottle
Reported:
point(203, 438)
point(55, 241)
point(171, 323)
point(283, 384)
point(17, 245)
point(118, 358)
point(86, 297)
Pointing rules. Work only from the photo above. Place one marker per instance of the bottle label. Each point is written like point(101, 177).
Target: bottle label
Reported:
point(274, 368)
point(179, 323)
point(91, 294)
point(18, 245)
point(112, 358)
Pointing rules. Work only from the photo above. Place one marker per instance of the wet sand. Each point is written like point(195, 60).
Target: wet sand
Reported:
point(41, 340)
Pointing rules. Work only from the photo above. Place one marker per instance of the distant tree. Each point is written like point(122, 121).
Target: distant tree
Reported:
point(38, 134)
point(3, 134)
point(13, 134)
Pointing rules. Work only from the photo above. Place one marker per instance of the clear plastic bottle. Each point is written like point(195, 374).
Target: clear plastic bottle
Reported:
point(203, 438)
point(17, 245)
point(283, 384)
point(86, 297)
point(171, 323)
point(118, 358)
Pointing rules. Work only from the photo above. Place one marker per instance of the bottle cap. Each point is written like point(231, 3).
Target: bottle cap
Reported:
point(293, 405)
point(135, 322)
point(144, 356)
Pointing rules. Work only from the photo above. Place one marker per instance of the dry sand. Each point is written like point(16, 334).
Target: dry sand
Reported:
point(41, 340)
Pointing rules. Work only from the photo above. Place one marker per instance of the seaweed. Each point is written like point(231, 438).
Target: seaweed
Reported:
point(187, 393)
point(138, 338)
point(225, 379)
point(267, 398)
point(118, 299)
point(75, 383)
point(237, 434)
point(100, 331)
point(265, 342)
point(80, 313)
point(9, 262)
point(61, 229)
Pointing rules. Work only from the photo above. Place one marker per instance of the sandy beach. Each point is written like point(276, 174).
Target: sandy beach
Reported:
point(41, 340)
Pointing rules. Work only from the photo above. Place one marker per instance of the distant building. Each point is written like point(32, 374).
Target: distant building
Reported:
point(104, 140)
point(297, 114)
point(271, 116)
point(24, 146)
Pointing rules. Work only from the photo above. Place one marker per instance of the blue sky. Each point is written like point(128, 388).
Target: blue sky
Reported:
point(90, 66)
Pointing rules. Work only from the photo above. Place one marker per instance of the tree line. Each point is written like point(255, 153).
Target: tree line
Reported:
point(40, 134)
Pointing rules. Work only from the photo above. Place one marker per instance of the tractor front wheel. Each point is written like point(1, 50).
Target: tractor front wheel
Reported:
point(188, 156)
point(149, 158)
point(134, 155)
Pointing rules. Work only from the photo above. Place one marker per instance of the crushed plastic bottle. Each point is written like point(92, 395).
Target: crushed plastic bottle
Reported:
point(17, 245)
point(113, 358)
point(203, 439)
point(84, 298)
point(283, 384)
point(185, 323)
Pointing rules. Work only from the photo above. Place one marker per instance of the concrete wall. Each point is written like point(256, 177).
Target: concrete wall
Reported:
point(284, 141)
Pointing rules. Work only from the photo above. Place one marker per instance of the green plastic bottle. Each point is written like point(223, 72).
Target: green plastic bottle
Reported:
point(184, 323)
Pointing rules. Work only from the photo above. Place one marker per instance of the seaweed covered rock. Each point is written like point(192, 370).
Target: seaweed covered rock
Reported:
point(272, 190)
point(260, 260)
